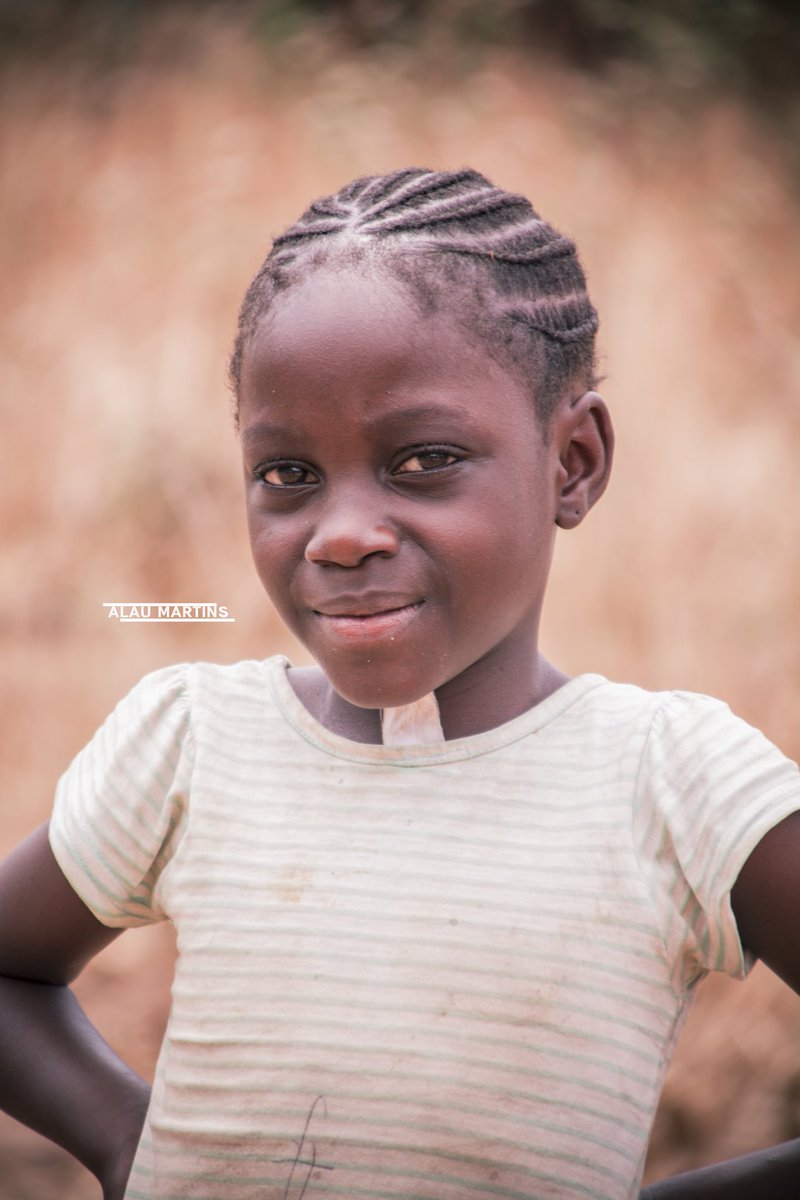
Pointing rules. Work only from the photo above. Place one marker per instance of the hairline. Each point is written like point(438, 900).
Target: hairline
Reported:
point(350, 247)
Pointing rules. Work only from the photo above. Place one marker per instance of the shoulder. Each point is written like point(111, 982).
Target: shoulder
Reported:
point(183, 676)
point(710, 786)
point(699, 735)
point(673, 716)
point(195, 685)
point(222, 693)
point(153, 730)
point(687, 748)
point(250, 674)
point(688, 742)
point(608, 713)
point(614, 697)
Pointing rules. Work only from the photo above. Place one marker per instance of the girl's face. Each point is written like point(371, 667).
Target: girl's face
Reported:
point(401, 498)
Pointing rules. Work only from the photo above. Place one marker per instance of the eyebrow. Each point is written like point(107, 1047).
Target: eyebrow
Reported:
point(263, 429)
point(254, 434)
point(421, 412)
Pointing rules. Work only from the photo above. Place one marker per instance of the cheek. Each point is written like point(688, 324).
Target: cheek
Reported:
point(273, 552)
point(502, 560)
point(507, 531)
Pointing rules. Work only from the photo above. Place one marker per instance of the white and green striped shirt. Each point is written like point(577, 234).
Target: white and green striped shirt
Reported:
point(449, 972)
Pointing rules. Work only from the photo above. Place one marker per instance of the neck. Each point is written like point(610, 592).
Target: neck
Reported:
point(471, 703)
point(479, 700)
point(338, 715)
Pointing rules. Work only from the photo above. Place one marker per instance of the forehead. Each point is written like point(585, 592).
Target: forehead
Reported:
point(338, 310)
point(346, 328)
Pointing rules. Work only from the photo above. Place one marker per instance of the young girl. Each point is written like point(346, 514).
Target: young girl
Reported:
point(439, 908)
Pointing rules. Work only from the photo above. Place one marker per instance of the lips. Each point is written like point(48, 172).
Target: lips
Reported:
point(364, 604)
point(356, 618)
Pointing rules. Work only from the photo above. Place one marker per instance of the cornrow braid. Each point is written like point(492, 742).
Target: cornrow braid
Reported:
point(518, 284)
point(455, 208)
point(402, 188)
point(558, 247)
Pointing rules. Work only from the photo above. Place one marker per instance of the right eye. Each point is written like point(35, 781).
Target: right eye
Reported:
point(286, 475)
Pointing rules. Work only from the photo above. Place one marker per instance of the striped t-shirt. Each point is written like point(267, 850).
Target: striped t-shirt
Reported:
point(447, 972)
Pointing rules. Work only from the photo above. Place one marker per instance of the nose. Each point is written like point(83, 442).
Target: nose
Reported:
point(349, 531)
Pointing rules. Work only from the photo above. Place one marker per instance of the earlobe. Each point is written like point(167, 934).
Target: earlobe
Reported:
point(585, 437)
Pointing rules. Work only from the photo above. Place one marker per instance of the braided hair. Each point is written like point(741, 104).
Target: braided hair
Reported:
point(519, 283)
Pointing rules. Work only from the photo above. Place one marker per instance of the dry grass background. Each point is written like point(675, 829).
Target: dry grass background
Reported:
point(133, 212)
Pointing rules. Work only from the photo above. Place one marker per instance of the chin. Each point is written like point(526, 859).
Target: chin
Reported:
point(372, 688)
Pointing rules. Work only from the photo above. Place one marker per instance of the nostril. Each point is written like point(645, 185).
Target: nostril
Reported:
point(349, 545)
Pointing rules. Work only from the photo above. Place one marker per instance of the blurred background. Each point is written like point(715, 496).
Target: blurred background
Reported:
point(149, 152)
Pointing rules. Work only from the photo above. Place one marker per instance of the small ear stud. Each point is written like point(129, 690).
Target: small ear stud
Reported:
point(568, 518)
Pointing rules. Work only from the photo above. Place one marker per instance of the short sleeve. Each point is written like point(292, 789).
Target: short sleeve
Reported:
point(710, 787)
point(121, 806)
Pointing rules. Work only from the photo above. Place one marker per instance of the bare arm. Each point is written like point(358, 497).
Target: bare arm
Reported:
point(57, 1075)
point(766, 902)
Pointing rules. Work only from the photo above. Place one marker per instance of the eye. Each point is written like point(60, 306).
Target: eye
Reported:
point(286, 475)
point(429, 458)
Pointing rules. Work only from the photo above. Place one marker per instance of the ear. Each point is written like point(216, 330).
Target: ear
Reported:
point(584, 436)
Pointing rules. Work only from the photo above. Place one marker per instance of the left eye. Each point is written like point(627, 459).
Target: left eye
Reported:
point(426, 460)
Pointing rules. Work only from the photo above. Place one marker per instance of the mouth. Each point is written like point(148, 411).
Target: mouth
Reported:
point(370, 623)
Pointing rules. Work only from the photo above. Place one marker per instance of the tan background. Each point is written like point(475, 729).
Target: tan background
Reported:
point(134, 211)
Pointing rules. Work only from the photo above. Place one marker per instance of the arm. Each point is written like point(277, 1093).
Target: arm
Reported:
point(58, 1076)
point(766, 903)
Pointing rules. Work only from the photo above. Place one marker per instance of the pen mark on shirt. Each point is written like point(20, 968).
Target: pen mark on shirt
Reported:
point(306, 1157)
